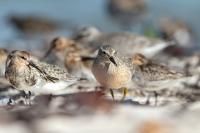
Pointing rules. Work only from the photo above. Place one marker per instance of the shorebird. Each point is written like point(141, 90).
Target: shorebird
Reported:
point(59, 48)
point(79, 65)
point(124, 42)
point(28, 74)
point(126, 11)
point(112, 70)
point(145, 71)
point(3, 57)
point(32, 25)
point(176, 30)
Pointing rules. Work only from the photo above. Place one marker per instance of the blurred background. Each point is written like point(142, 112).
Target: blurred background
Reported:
point(32, 24)
point(162, 18)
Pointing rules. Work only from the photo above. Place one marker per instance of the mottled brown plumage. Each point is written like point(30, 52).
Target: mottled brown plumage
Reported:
point(79, 65)
point(59, 49)
point(26, 73)
point(148, 70)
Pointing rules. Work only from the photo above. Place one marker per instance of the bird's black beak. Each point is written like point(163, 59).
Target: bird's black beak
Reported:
point(87, 58)
point(78, 37)
point(47, 53)
point(113, 60)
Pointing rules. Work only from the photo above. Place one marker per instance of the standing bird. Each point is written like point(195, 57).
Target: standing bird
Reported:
point(3, 57)
point(124, 42)
point(146, 71)
point(112, 70)
point(28, 74)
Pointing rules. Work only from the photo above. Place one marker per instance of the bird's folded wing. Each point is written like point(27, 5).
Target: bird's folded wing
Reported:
point(43, 73)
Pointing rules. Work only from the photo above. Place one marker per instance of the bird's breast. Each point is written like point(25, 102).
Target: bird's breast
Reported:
point(110, 76)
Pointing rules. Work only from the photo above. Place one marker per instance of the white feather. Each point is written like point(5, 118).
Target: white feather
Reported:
point(51, 88)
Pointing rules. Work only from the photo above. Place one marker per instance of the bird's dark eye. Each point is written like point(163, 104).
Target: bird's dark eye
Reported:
point(23, 57)
point(103, 52)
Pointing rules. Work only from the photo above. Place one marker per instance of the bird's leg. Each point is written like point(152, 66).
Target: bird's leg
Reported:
point(112, 94)
point(156, 97)
point(9, 101)
point(23, 93)
point(27, 97)
point(125, 92)
point(148, 100)
point(27, 94)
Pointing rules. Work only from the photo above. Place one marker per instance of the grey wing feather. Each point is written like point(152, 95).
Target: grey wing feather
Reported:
point(158, 72)
point(53, 72)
